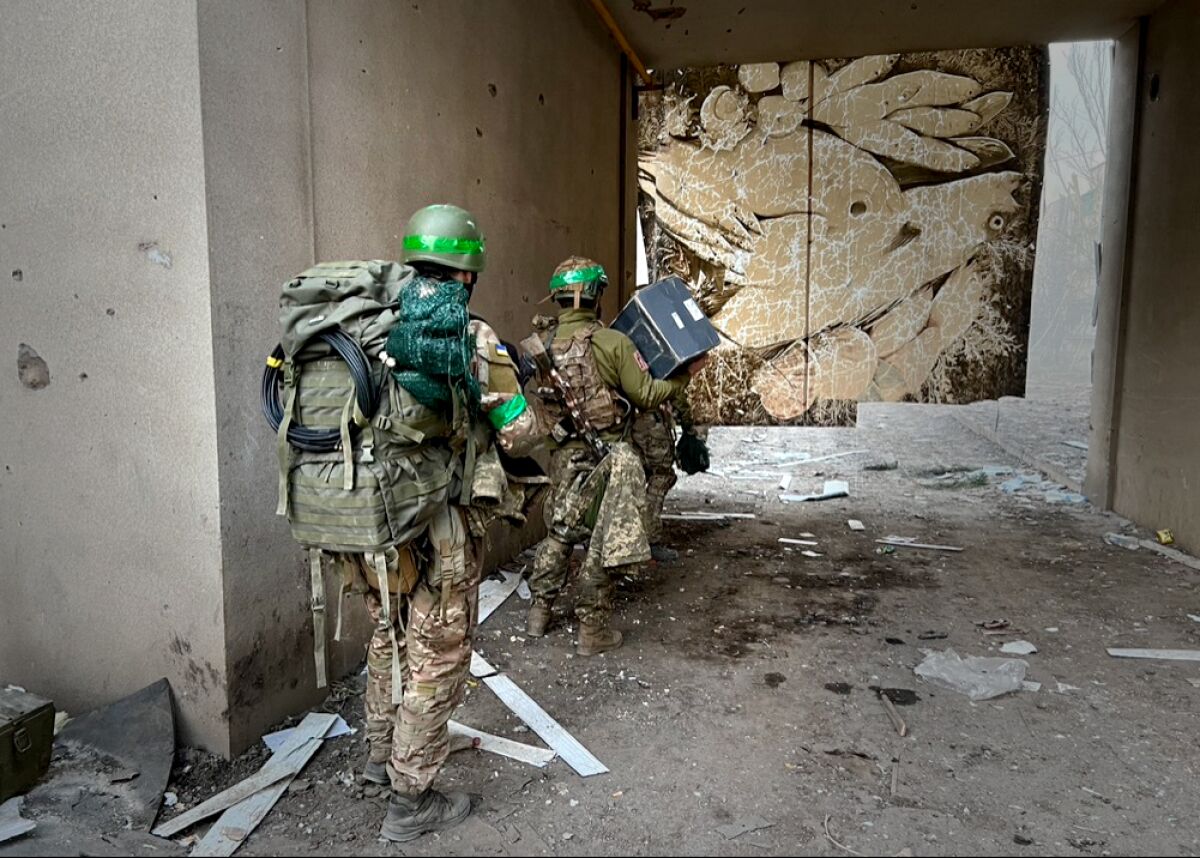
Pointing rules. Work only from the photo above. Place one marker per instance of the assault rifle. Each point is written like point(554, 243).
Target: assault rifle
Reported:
point(544, 360)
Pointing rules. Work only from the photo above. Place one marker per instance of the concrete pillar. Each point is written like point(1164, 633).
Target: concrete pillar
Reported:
point(1148, 370)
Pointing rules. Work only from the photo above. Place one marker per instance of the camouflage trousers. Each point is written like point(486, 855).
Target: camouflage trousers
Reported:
point(429, 631)
point(653, 437)
point(600, 502)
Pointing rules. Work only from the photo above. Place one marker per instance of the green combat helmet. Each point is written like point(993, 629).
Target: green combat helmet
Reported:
point(447, 235)
point(578, 277)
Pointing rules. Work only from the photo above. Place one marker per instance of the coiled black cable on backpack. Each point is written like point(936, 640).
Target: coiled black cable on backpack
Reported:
point(365, 391)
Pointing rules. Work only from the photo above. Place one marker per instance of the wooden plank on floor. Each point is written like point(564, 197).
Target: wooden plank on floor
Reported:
point(290, 759)
point(493, 593)
point(551, 732)
point(518, 751)
point(1164, 654)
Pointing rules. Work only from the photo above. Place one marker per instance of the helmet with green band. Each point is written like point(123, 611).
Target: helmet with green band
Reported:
point(445, 234)
point(576, 278)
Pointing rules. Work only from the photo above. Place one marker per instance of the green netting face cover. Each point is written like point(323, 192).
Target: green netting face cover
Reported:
point(431, 344)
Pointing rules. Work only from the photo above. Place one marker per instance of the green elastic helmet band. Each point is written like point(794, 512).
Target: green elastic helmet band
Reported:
point(582, 275)
point(444, 244)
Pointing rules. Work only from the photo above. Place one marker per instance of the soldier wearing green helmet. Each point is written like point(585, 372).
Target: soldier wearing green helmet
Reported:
point(599, 490)
point(446, 236)
point(422, 639)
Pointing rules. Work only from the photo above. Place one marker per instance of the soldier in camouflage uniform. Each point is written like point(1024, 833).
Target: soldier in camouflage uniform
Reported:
point(425, 606)
point(601, 497)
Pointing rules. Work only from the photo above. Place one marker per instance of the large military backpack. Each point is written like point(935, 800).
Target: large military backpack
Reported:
point(363, 466)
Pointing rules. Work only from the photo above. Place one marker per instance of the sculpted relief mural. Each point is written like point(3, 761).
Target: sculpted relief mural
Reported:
point(857, 230)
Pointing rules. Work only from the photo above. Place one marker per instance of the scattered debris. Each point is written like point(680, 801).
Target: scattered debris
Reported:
point(833, 489)
point(893, 715)
point(276, 740)
point(138, 733)
point(236, 823)
point(494, 593)
point(785, 483)
point(170, 799)
point(894, 641)
point(855, 524)
point(1063, 688)
point(786, 541)
point(12, 824)
point(1031, 686)
point(774, 680)
point(551, 732)
point(1171, 553)
point(842, 688)
point(933, 636)
point(810, 553)
point(899, 696)
point(1052, 492)
point(743, 826)
point(1163, 654)
point(835, 456)
point(1165, 536)
point(889, 465)
point(534, 756)
point(1122, 541)
point(1018, 648)
point(705, 516)
point(903, 542)
point(978, 678)
point(1195, 618)
point(282, 767)
point(834, 842)
point(523, 591)
point(1078, 445)
point(61, 719)
point(993, 625)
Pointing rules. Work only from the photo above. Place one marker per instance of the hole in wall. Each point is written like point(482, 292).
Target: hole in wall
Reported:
point(18, 275)
point(858, 208)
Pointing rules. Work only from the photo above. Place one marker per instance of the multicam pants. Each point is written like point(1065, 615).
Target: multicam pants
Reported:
point(653, 436)
point(432, 628)
point(601, 502)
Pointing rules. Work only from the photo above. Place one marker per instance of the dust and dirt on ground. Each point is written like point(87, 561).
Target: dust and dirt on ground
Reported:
point(743, 714)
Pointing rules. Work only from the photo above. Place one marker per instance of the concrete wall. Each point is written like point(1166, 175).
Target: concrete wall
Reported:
point(109, 522)
point(1155, 459)
point(404, 115)
point(325, 126)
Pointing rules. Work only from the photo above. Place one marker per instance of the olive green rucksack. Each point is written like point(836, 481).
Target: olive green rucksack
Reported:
point(363, 466)
point(391, 469)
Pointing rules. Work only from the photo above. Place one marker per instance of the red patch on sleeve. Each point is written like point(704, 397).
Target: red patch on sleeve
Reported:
point(641, 361)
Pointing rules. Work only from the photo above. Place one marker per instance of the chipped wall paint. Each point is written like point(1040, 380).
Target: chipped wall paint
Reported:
point(859, 230)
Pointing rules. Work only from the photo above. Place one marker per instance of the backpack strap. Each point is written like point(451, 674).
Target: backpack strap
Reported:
point(318, 612)
point(378, 560)
point(282, 447)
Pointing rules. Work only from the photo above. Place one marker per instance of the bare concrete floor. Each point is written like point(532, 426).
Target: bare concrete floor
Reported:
point(743, 694)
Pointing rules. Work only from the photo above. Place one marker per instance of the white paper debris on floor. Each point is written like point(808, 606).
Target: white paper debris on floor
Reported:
point(787, 541)
point(855, 524)
point(1018, 648)
point(275, 740)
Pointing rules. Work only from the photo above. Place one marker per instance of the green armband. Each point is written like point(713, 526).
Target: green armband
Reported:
point(504, 414)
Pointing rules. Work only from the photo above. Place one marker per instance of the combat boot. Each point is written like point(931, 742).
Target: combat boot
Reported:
point(376, 773)
point(408, 817)
point(595, 638)
point(537, 620)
